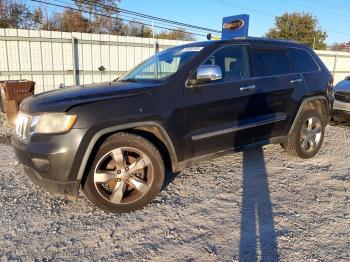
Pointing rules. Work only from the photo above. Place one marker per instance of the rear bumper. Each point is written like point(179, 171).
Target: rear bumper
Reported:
point(69, 188)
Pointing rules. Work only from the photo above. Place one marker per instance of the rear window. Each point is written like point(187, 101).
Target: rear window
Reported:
point(303, 61)
point(269, 63)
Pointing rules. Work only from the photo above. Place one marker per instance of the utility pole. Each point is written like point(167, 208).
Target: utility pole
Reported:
point(155, 42)
point(313, 46)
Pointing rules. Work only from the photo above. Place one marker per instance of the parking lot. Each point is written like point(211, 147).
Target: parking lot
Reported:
point(260, 204)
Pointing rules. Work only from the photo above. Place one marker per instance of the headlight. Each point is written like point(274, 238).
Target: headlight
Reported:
point(23, 123)
point(49, 123)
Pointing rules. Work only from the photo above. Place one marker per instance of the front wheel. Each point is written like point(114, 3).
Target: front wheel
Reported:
point(306, 138)
point(127, 173)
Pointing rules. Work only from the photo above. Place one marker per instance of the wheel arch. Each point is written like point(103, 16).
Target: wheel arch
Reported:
point(152, 131)
point(320, 103)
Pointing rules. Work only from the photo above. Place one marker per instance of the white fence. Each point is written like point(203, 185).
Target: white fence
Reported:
point(50, 58)
point(337, 62)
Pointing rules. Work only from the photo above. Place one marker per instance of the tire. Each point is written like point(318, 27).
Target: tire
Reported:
point(126, 175)
point(306, 138)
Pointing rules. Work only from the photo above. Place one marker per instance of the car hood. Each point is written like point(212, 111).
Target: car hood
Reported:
point(342, 86)
point(62, 99)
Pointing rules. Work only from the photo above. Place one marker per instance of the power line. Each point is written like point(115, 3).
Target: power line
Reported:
point(109, 16)
point(129, 16)
point(267, 14)
point(119, 16)
point(332, 4)
point(243, 8)
point(317, 9)
point(337, 32)
point(121, 10)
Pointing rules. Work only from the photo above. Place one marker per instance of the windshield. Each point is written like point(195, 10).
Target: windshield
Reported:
point(162, 65)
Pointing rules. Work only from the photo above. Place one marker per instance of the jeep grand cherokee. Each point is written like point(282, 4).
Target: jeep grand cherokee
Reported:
point(183, 105)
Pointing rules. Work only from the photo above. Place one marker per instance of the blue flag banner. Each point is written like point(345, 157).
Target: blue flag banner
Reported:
point(235, 26)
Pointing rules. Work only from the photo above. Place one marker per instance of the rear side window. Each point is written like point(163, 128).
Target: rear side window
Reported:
point(269, 63)
point(303, 61)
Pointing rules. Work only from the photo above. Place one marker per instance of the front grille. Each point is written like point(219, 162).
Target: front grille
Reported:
point(23, 126)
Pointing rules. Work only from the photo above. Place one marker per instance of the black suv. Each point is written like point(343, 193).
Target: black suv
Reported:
point(184, 105)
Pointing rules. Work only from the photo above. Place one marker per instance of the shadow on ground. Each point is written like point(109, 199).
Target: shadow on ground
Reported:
point(257, 225)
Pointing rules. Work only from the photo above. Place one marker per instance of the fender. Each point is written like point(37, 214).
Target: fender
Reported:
point(302, 105)
point(164, 137)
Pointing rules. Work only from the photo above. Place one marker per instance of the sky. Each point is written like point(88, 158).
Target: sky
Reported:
point(333, 16)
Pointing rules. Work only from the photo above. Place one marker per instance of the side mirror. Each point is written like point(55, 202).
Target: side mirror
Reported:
point(347, 78)
point(208, 73)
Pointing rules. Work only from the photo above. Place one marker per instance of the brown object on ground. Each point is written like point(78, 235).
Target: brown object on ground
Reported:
point(12, 93)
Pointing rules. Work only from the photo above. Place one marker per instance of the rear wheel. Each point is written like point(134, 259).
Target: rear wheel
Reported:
point(306, 138)
point(127, 173)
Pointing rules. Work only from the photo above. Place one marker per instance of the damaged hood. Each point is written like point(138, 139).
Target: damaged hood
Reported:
point(62, 99)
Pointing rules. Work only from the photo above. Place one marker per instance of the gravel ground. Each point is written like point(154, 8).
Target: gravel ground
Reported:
point(256, 205)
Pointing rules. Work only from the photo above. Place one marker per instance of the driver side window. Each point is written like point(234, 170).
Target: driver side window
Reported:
point(233, 61)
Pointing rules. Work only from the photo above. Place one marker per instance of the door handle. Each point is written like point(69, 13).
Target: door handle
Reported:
point(296, 81)
point(247, 88)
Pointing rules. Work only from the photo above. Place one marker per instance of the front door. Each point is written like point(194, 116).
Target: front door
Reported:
point(216, 116)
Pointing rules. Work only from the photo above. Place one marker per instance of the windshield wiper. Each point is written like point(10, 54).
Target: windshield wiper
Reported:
point(129, 80)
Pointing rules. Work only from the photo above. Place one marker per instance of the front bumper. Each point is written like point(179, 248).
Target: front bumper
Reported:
point(48, 161)
point(340, 117)
point(69, 188)
point(341, 109)
point(341, 105)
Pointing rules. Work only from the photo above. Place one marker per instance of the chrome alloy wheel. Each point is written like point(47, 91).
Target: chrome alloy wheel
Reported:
point(310, 135)
point(123, 175)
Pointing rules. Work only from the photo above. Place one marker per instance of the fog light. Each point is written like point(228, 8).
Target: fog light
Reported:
point(42, 164)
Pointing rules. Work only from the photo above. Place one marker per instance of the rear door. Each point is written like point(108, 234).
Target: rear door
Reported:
point(305, 64)
point(278, 89)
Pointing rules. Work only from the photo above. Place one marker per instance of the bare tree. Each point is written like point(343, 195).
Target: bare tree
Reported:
point(98, 6)
point(73, 21)
point(179, 34)
point(101, 23)
point(15, 14)
point(103, 19)
point(341, 46)
point(136, 29)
